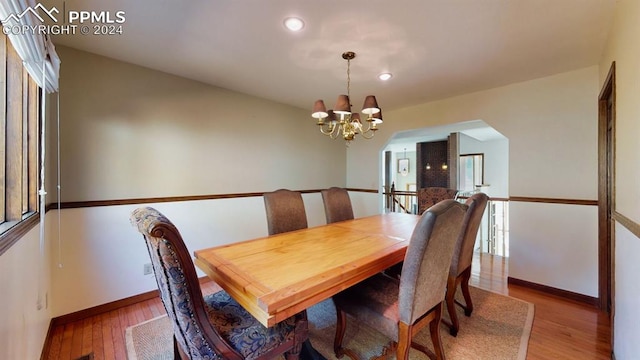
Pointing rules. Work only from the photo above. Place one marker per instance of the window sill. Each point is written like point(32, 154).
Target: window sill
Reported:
point(16, 230)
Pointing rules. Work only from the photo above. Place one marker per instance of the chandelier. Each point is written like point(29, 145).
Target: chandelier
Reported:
point(340, 121)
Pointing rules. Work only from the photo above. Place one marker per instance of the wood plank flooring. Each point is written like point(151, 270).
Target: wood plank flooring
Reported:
point(562, 329)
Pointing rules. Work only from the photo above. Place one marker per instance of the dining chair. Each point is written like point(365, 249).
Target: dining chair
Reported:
point(399, 308)
point(427, 197)
point(430, 196)
point(337, 204)
point(214, 326)
point(285, 211)
point(460, 270)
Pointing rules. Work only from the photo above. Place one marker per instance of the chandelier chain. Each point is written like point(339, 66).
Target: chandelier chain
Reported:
point(349, 78)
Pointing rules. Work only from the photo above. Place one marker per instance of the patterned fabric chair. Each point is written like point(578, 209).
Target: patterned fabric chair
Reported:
point(337, 204)
point(399, 308)
point(285, 211)
point(216, 326)
point(460, 270)
point(429, 196)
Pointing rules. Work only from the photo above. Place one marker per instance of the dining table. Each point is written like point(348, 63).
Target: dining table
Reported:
point(277, 276)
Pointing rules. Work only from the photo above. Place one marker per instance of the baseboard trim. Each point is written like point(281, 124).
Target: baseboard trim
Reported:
point(96, 310)
point(100, 309)
point(565, 294)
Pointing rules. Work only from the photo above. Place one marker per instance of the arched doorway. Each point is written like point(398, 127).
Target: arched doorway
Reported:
point(470, 156)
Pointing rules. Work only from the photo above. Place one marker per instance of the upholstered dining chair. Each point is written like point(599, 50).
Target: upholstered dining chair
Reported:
point(429, 196)
point(285, 211)
point(214, 326)
point(460, 270)
point(337, 204)
point(399, 308)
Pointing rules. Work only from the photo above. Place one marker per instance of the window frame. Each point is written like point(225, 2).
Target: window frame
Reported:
point(20, 140)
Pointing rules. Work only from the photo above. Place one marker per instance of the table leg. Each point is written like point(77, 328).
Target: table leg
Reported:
point(309, 353)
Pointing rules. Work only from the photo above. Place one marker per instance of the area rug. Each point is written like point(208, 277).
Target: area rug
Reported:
point(499, 328)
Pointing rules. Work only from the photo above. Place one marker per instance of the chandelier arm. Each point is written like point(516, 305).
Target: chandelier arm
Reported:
point(325, 131)
point(373, 133)
point(335, 134)
point(368, 127)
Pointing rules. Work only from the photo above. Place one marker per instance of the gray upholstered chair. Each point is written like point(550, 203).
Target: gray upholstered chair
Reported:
point(216, 326)
point(399, 308)
point(337, 204)
point(460, 270)
point(429, 196)
point(285, 211)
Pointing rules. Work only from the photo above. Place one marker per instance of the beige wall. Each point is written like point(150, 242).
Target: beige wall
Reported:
point(623, 47)
point(131, 132)
point(551, 124)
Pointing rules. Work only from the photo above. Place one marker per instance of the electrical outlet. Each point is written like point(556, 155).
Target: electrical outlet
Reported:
point(147, 269)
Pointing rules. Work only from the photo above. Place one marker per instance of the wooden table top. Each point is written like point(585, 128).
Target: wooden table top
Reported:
point(280, 275)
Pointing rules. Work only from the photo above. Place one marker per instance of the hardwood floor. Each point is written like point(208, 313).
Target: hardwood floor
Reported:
point(562, 329)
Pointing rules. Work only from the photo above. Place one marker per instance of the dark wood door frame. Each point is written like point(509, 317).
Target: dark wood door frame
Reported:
point(606, 190)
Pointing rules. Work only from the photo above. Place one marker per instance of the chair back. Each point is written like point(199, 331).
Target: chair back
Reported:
point(463, 252)
point(426, 264)
point(337, 204)
point(285, 211)
point(179, 287)
point(429, 196)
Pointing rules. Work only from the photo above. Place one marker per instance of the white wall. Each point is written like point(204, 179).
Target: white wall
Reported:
point(400, 180)
point(552, 244)
point(623, 47)
point(496, 163)
point(23, 275)
point(627, 290)
point(103, 255)
point(551, 124)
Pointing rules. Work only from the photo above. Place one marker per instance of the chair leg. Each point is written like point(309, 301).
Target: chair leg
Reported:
point(404, 341)
point(464, 284)
point(450, 299)
point(341, 326)
point(292, 355)
point(434, 327)
point(177, 353)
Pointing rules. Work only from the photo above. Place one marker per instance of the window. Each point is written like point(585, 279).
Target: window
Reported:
point(471, 172)
point(19, 128)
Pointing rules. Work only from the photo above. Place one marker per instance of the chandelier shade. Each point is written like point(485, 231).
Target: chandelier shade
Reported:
point(319, 110)
point(370, 105)
point(377, 117)
point(341, 121)
point(343, 106)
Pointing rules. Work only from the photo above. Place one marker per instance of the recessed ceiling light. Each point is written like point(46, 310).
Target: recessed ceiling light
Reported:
point(294, 23)
point(385, 76)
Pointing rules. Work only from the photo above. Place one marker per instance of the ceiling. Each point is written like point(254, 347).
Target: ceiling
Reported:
point(434, 48)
